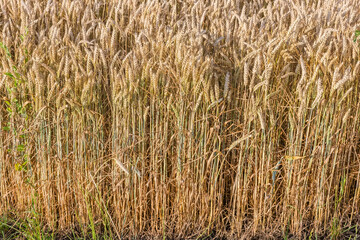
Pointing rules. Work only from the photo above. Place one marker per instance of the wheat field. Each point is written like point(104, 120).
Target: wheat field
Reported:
point(154, 119)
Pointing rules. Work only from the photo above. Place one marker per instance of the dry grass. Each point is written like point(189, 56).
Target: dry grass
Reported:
point(172, 118)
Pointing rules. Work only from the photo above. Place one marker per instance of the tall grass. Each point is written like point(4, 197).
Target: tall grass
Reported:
point(181, 118)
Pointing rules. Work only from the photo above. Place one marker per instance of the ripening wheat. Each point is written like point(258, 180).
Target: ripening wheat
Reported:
point(173, 118)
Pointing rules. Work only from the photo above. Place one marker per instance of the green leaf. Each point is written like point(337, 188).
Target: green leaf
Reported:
point(357, 33)
point(18, 167)
point(9, 75)
point(2, 45)
point(6, 128)
point(20, 148)
point(17, 75)
point(9, 90)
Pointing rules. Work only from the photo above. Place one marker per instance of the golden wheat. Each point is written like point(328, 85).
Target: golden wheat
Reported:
point(165, 119)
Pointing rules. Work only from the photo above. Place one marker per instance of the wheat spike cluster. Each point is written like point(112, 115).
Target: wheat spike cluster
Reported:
point(173, 118)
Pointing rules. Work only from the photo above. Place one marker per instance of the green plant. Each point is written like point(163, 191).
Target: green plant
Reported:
point(357, 34)
point(17, 109)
